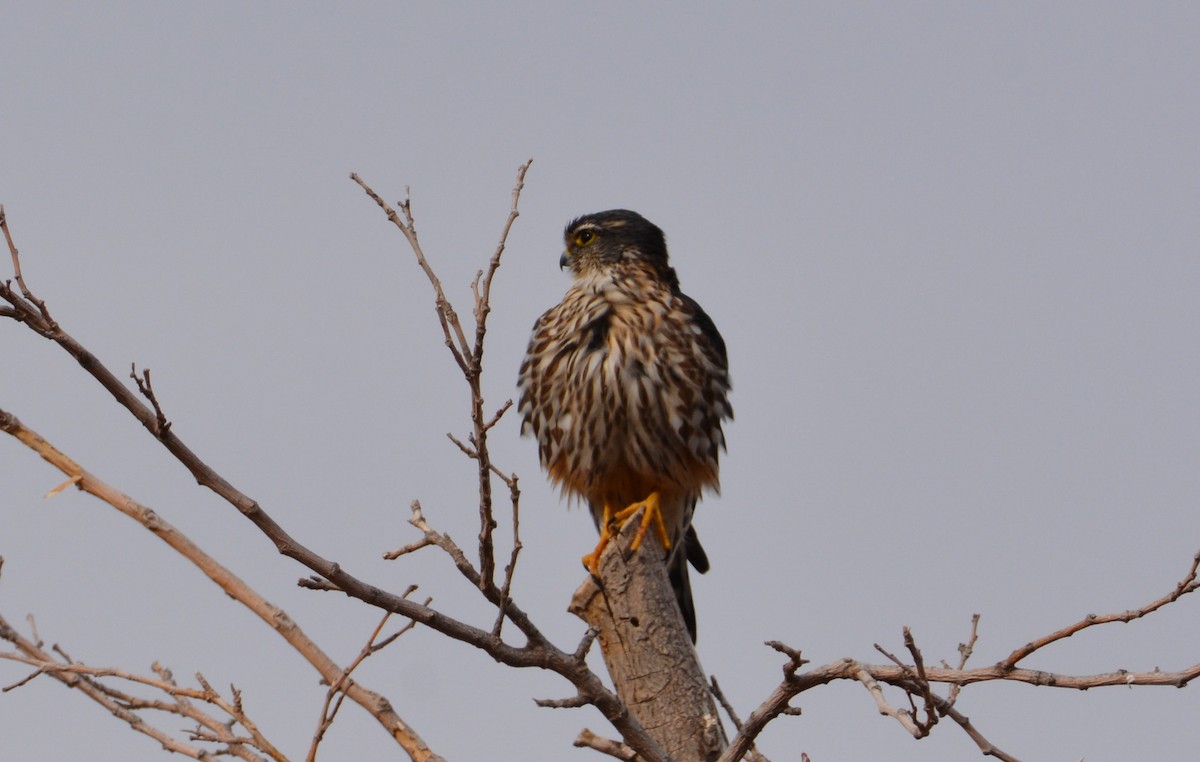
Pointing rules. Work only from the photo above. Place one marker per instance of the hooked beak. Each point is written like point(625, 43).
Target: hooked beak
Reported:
point(564, 260)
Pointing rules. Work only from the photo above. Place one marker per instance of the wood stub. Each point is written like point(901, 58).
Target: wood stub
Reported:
point(646, 647)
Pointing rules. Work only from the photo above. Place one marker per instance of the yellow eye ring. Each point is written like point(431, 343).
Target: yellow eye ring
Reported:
point(584, 237)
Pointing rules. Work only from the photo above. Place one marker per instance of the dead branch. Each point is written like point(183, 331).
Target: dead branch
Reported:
point(337, 691)
point(985, 746)
point(964, 654)
point(647, 648)
point(30, 307)
point(1188, 584)
point(126, 707)
point(915, 679)
point(589, 740)
point(469, 357)
point(752, 754)
point(234, 586)
point(510, 569)
point(146, 388)
point(455, 339)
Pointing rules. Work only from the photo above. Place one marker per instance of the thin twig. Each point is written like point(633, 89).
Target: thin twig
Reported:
point(574, 702)
point(499, 414)
point(16, 263)
point(487, 524)
point(147, 389)
point(455, 339)
point(589, 740)
point(510, 569)
point(752, 754)
point(964, 654)
point(1188, 584)
point(416, 545)
point(468, 357)
point(907, 678)
point(987, 747)
point(227, 580)
point(126, 707)
point(724, 702)
point(922, 684)
point(900, 715)
point(337, 691)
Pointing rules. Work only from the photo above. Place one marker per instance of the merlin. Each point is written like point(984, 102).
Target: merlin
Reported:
point(625, 385)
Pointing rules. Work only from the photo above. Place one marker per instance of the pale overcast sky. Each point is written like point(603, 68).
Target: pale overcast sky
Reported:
point(952, 248)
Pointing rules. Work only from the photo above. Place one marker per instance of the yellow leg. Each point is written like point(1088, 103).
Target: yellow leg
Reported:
point(614, 519)
point(592, 560)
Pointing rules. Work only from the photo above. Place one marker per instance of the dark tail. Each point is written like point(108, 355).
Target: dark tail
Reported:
point(689, 550)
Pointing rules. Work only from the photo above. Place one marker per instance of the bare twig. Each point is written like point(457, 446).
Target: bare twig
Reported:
point(589, 740)
point(147, 390)
point(795, 660)
point(499, 414)
point(59, 489)
point(900, 715)
point(487, 523)
point(337, 691)
point(752, 755)
point(724, 702)
point(467, 450)
point(985, 746)
point(127, 707)
point(416, 545)
point(469, 357)
point(455, 339)
point(235, 710)
point(510, 569)
point(42, 312)
point(585, 644)
point(1188, 584)
point(917, 685)
point(922, 684)
point(909, 678)
point(574, 702)
point(964, 653)
point(236, 588)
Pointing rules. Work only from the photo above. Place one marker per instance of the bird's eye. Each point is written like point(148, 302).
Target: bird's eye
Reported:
point(584, 237)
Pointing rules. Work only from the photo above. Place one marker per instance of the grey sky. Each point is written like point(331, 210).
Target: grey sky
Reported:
point(951, 247)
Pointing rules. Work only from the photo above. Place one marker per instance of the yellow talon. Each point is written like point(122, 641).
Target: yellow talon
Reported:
point(653, 515)
point(614, 520)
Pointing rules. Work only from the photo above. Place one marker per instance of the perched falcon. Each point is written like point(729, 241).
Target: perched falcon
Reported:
point(625, 385)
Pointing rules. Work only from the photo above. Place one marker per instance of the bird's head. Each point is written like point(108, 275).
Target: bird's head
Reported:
point(601, 242)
